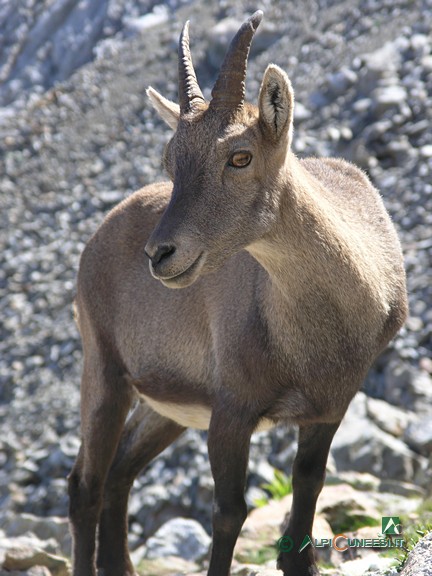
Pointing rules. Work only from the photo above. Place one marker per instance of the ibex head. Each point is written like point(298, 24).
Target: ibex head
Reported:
point(224, 159)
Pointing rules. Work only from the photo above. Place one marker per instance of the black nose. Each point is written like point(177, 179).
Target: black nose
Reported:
point(161, 252)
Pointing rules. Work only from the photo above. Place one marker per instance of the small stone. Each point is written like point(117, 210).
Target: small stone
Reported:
point(301, 113)
point(426, 151)
point(389, 97)
point(414, 323)
point(369, 564)
point(341, 81)
point(362, 105)
point(181, 537)
point(426, 63)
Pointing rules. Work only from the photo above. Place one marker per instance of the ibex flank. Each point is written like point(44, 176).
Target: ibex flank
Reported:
point(292, 282)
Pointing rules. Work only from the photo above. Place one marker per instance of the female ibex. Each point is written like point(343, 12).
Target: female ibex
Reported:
point(293, 282)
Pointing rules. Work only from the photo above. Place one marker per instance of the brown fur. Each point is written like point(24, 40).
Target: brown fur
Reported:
point(292, 284)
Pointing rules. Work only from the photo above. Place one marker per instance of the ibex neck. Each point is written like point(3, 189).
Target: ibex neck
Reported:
point(310, 249)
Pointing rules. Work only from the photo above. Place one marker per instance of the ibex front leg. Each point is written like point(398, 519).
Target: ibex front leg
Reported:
point(145, 435)
point(308, 479)
point(228, 446)
point(105, 401)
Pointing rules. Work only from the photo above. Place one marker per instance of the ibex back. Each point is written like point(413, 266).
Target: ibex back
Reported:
point(292, 283)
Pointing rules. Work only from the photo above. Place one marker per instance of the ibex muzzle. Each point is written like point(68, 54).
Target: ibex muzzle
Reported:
point(308, 286)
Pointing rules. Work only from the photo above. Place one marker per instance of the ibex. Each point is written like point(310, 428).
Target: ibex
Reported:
point(292, 282)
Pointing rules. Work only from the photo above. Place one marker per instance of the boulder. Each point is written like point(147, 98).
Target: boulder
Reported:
point(418, 436)
point(419, 562)
point(25, 557)
point(360, 445)
point(181, 537)
point(47, 528)
point(389, 418)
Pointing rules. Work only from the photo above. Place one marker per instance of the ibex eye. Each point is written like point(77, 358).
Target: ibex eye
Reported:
point(240, 159)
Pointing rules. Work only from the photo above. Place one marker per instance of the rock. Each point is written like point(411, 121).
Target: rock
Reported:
point(360, 445)
point(251, 570)
point(381, 63)
point(341, 81)
point(49, 528)
point(389, 418)
point(407, 386)
point(345, 508)
point(26, 557)
point(370, 564)
point(27, 541)
point(58, 40)
point(181, 537)
point(168, 566)
point(301, 113)
point(405, 489)
point(389, 97)
point(426, 151)
point(358, 480)
point(419, 562)
point(418, 436)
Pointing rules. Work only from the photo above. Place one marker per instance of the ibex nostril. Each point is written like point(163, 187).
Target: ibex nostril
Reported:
point(162, 252)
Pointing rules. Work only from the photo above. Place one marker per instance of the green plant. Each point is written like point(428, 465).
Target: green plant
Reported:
point(353, 522)
point(258, 556)
point(280, 486)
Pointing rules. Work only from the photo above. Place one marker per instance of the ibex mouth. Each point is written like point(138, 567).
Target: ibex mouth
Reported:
point(184, 278)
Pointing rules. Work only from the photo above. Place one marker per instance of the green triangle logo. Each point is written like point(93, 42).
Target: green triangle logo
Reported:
point(306, 541)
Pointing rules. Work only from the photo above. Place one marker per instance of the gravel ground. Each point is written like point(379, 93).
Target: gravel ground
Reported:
point(69, 151)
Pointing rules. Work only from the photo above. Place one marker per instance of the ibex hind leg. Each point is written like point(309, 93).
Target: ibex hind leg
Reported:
point(105, 401)
point(308, 480)
point(145, 435)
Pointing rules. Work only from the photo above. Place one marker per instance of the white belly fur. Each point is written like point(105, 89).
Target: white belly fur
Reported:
point(192, 415)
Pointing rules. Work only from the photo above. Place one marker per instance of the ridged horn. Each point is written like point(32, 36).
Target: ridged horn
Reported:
point(189, 92)
point(229, 90)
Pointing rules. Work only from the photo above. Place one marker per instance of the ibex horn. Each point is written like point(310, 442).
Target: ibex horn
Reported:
point(189, 91)
point(229, 89)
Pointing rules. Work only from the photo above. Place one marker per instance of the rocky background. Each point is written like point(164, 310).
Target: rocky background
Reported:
point(77, 135)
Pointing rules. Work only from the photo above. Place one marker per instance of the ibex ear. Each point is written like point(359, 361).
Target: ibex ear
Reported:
point(167, 110)
point(276, 104)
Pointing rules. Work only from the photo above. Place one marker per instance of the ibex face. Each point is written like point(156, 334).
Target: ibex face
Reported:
point(224, 160)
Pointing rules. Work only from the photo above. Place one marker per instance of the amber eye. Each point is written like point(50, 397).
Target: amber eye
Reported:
point(240, 159)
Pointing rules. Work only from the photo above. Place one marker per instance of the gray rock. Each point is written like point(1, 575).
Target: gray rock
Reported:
point(419, 561)
point(179, 537)
point(26, 558)
point(360, 445)
point(389, 97)
point(418, 436)
point(46, 529)
point(341, 81)
point(407, 386)
point(389, 418)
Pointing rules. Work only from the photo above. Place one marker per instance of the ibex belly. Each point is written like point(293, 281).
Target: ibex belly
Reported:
point(192, 415)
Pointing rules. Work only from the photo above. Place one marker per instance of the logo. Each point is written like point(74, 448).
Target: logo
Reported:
point(306, 541)
point(391, 525)
point(285, 544)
